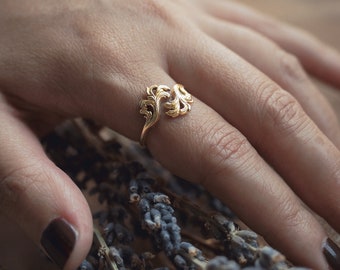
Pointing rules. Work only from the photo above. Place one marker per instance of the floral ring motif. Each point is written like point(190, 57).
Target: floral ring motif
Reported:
point(177, 102)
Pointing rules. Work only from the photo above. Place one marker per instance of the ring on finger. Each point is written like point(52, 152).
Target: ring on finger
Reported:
point(177, 102)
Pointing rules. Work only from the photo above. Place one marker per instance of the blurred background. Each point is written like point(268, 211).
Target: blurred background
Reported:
point(320, 17)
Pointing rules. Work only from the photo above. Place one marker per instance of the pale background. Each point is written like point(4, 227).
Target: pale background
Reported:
point(320, 17)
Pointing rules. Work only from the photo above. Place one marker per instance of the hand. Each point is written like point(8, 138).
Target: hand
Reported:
point(260, 136)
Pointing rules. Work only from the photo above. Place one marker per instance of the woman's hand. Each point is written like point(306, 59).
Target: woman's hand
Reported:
point(260, 136)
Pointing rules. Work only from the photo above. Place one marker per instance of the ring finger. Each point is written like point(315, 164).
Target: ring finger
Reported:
point(203, 148)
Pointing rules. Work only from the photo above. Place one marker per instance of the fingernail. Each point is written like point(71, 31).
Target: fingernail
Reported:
point(332, 253)
point(58, 240)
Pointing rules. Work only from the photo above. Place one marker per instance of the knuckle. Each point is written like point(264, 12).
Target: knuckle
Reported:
point(106, 43)
point(290, 67)
point(228, 145)
point(157, 9)
point(169, 16)
point(280, 109)
point(268, 24)
point(291, 213)
point(330, 206)
point(167, 13)
point(18, 183)
point(225, 148)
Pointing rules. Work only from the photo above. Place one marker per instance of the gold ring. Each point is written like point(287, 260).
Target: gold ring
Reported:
point(177, 103)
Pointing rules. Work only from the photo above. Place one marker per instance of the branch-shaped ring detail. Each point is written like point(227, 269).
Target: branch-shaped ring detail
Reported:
point(177, 103)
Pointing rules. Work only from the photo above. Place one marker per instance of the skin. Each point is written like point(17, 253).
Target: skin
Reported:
point(260, 135)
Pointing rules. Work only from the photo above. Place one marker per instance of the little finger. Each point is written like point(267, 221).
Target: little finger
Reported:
point(318, 58)
point(282, 67)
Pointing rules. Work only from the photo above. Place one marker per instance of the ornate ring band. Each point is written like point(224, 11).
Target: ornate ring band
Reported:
point(177, 102)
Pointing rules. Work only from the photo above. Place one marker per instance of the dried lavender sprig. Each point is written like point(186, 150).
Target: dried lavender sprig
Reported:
point(103, 250)
point(240, 245)
point(246, 238)
point(165, 231)
point(158, 218)
point(222, 263)
point(86, 265)
point(115, 256)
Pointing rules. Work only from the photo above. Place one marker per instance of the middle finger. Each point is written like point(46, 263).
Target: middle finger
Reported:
point(271, 119)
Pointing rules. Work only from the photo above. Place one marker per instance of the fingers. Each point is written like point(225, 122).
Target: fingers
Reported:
point(39, 197)
point(318, 58)
point(203, 148)
point(269, 117)
point(280, 66)
point(272, 120)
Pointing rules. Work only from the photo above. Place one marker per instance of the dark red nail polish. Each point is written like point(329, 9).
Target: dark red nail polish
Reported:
point(332, 254)
point(58, 240)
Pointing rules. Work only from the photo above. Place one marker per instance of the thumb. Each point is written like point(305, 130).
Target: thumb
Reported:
point(41, 198)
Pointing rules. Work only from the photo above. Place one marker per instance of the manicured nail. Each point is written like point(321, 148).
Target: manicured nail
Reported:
point(332, 254)
point(58, 240)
